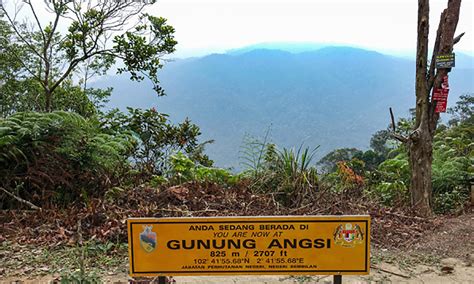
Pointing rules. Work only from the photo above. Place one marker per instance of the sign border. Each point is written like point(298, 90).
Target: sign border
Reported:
point(346, 218)
point(447, 64)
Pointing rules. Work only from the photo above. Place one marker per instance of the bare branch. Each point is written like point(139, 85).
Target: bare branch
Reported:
point(393, 133)
point(54, 27)
point(14, 53)
point(399, 137)
point(18, 33)
point(36, 18)
point(73, 65)
point(458, 38)
point(393, 120)
point(431, 72)
point(31, 205)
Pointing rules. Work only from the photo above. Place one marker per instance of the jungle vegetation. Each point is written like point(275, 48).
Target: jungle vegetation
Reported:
point(58, 146)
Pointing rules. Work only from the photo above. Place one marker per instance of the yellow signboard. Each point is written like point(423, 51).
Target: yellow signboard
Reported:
point(249, 245)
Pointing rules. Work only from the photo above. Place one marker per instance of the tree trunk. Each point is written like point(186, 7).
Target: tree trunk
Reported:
point(48, 97)
point(421, 158)
point(420, 142)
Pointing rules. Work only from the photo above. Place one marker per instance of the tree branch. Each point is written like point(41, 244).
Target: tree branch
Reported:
point(421, 92)
point(18, 33)
point(393, 119)
point(431, 72)
point(73, 65)
point(399, 137)
point(25, 66)
point(458, 38)
point(36, 18)
point(31, 205)
point(447, 39)
point(394, 134)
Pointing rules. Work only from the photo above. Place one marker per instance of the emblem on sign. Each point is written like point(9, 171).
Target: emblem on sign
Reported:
point(348, 235)
point(148, 239)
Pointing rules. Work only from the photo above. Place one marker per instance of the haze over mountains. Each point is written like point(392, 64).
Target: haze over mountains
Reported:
point(332, 96)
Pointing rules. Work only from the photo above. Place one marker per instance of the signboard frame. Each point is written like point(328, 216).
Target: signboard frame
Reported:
point(445, 61)
point(137, 223)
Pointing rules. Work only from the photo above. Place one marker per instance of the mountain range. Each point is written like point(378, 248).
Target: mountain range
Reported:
point(334, 96)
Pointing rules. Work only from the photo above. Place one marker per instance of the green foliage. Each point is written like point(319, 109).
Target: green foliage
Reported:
point(158, 139)
point(141, 56)
point(21, 92)
point(157, 181)
point(10, 73)
point(371, 159)
point(394, 179)
point(453, 166)
point(452, 169)
point(349, 177)
point(451, 201)
point(288, 173)
point(60, 155)
point(380, 142)
point(329, 162)
point(383, 144)
point(86, 255)
point(183, 169)
point(295, 166)
point(63, 155)
point(38, 62)
point(73, 98)
point(463, 111)
point(80, 277)
point(256, 153)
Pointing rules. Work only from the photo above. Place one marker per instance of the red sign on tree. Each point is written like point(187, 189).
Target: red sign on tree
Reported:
point(440, 96)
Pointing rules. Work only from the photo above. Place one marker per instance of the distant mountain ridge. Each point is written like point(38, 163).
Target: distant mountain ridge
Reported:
point(333, 96)
point(283, 46)
point(465, 58)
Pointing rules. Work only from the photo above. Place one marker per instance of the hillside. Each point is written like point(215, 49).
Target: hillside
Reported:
point(333, 97)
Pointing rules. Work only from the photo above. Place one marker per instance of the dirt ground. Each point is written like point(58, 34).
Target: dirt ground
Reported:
point(462, 273)
point(445, 255)
point(42, 247)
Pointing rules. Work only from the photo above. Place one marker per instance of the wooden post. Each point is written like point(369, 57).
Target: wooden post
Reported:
point(337, 279)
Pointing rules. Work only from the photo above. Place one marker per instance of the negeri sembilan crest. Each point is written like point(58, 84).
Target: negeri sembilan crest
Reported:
point(148, 239)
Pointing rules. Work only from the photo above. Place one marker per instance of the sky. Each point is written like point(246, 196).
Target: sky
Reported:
point(384, 25)
point(388, 26)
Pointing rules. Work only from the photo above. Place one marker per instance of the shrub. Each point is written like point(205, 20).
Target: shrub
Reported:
point(288, 173)
point(453, 160)
point(157, 138)
point(59, 156)
point(450, 201)
point(350, 173)
point(452, 169)
point(393, 176)
point(183, 169)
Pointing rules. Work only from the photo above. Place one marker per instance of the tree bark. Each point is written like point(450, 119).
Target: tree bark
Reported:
point(48, 104)
point(420, 142)
point(421, 159)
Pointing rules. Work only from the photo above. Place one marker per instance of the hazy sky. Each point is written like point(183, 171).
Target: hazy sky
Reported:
point(204, 26)
point(386, 25)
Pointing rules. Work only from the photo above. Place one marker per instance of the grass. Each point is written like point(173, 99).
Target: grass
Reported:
point(405, 261)
point(106, 259)
point(30, 260)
